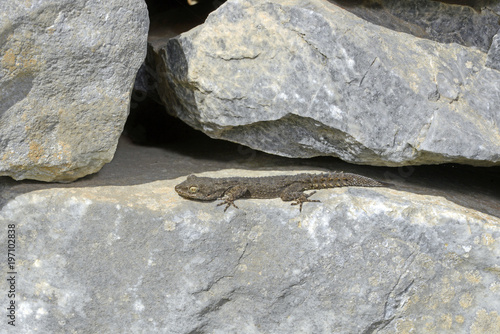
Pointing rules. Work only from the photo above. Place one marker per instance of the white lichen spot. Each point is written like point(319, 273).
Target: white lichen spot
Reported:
point(374, 281)
point(495, 287)
point(467, 248)
point(112, 237)
point(350, 63)
point(299, 98)
point(487, 239)
point(138, 306)
point(40, 312)
point(318, 224)
point(336, 112)
point(78, 206)
point(169, 225)
point(25, 310)
point(374, 297)
point(356, 288)
point(44, 288)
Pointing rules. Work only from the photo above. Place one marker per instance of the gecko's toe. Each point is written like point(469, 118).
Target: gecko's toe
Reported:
point(228, 204)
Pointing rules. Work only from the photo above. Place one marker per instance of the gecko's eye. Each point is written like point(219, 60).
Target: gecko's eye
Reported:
point(193, 189)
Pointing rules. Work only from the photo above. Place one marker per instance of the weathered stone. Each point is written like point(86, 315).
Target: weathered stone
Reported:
point(141, 259)
point(66, 73)
point(466, 22)
point(307, 78)
point(493, 60)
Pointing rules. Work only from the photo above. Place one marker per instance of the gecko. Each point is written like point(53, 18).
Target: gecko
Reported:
point(286, 187)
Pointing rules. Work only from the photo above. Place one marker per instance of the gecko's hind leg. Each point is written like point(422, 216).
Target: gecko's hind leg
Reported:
point(304, 198)
point(298, 197)
point(295, 192)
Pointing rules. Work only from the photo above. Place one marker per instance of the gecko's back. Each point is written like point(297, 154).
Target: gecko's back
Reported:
point(287, 187)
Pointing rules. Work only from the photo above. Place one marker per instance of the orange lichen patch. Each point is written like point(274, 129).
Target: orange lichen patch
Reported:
point(9, 59)
point(22, 61)
point(36, 151)
point(20, 56)
point(65, 151)
point(7, 155)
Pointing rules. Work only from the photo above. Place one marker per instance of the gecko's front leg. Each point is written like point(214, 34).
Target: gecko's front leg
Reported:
point(231, 195)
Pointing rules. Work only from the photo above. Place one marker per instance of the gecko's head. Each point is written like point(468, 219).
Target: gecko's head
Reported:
point(198, 188)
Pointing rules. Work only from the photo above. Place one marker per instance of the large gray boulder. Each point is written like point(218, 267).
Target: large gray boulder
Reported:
point(66, 74)
point(304, 78)
point(141, 259)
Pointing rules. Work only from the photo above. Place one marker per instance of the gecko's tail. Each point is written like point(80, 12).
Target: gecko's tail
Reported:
point(362, 181)
point(385, 184)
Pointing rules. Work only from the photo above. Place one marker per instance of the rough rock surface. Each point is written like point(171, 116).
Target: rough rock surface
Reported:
point(304, 78)
point(465, 22)
point(493, 60)
point(66, 73)
point(141, 259)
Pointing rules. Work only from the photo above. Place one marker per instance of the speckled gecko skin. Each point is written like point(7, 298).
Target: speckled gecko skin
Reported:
point(287, 187)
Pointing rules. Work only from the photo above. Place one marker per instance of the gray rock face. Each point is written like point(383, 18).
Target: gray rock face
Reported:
point(66, 73)
point(469, 23)
point(141, 259)
point(493, 60)
point(306, 78)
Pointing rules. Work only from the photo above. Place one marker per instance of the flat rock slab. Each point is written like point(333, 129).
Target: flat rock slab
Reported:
point(142, 259)
point(304, 78)
point(66, 74)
